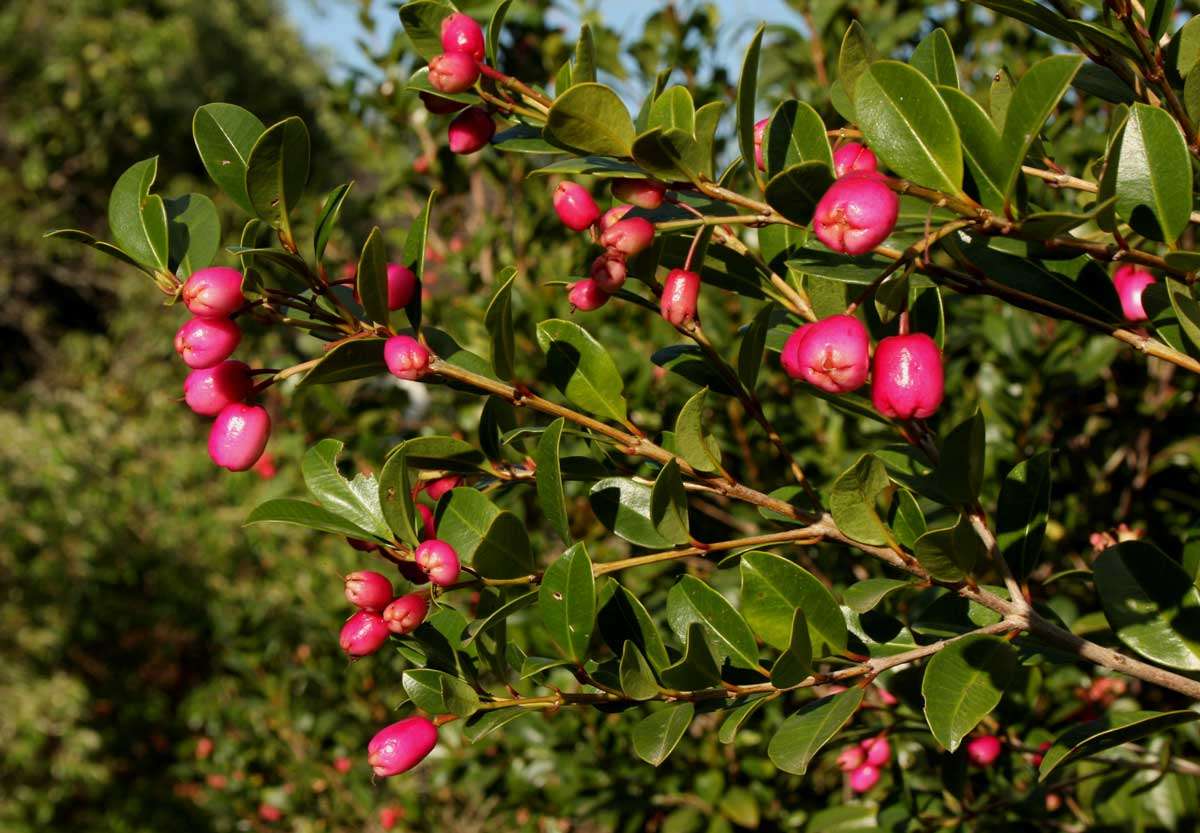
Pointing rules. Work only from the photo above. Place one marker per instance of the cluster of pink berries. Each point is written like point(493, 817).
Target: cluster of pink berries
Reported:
point(217, 386)
point(833, 354)
point(863, 762)
point(455, 71)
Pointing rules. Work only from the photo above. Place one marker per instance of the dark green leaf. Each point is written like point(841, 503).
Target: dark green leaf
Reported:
point(549, 479)
point(567, 601)
point(1154, 174)
point(1032, 103)
point(1022, 513)
point(482, 724)
point(934, 58)
point(963, 682)
point(656, 736)
point(795, 663)
point(960, 472)
point(496, 541)
point(982, 149)
point(194, 233)
point(773, 588)
point(372, 278)
point(224, 135)
point(138, 220)
point(422, 21)
point(950, 554)
point(637, 678)
point(754, 341)
point(331, 211)
point(436, 692)
point(414, 258)
point(729, 636)
point(692, 443)
point(697, 668)
point(590, 119)
point(356, 500)
point(738, 716)
point(277, 171)
point(856, 54)
point(1111, 730)
point(396, 500)
point(303, 513)
point(747, 98)
point(864, 595)
point(499, 323)
point(854, 497)
point(349, 360)
point(795, 191)
point(668, 505)
point(582, 369)
point(445, 453)
point(803, 734)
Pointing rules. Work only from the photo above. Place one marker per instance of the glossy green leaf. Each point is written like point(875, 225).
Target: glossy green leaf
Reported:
point(982, 148)
point(960, 471)
point(436, 692)
point(414, 258)
point(582, 369)
point(567, 601)
point(1187, 311)
point(303, 513)
point(1034, 14)
point(673, 108)
point(422, 21)
point(689, 361)
point(754, 342)
point(548, 478)
point(357, 499)
point(698, 668)
point(583, 70)
point(728, 634)
point(590, 119)
point(908, 126)
point(934, 58)
point(637, 678)
point(804, 732)
point(445, 453)
point(795, 134)
point(349, 360)
point(795, 663)
point(963, 682)
point(854, 497)
point(773, 588)
point(856, 54)
point(1151, 603)
point(495, 541)
point(1022, 513)
point(371, 278)
point(277, 171)
point(906, 519)
point(331, 212)
point(623, 505)
point(99, 245)
point(747, 98)
point(1111, 730)
point(668, 505)
point(138, 219)
point(950, 554)
point(193, 231)
point(692, 442)
point(866, 594)
point(795, 191)
point(657, 735)
point(623, 618)
point(598, 166)
point(396, 500)
point(482, 724)
point(499, 323)
point(1033, 100)
point(1154, 174)
point(224, 135)
point(494, 30)
point(737, 717)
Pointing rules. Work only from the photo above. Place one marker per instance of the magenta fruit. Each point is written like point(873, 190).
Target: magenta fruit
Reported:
point(401, 746)
point(209, 389)
point(907, 381)
point(587, 295)
point(364, 633)
point(239, 436)
point(471, 130)
point(832, 354)
point(368, 590)
point(628, 236)
point(575, 206)
point(205, 342)
point(853, 158)
point(460, 33)
point(681, 291)
point(453, 72)
point(644, 193)
point(439, 561)
point(406, 358)
point(405, 614)
point(215, 292)
point(1131, 281)
point(856, 214)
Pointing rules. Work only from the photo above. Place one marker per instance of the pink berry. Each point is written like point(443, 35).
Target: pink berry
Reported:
point(907, 381)
point(342, 764)
point(983, 750)
point(851, 758)
point(401, 746)
point(460, 33)
point(439, 106)
point(832, 354)
point(856, 214)
point(760, 127)
point(209, 389)
point(587, 295)
point(681, 290)
point(878, 750)
point(453, 72)
point(863, 778)
point(406, 357)
point(214, 292)
point(439, 561)
point(644, 193)
point(368, 590)
point(628, 236)
point(205, 342)
point(428, 530)
point(439, 487)
point(239, 435)
point(401, 286)
point(612, 216)
point(405, 614)
point(608, 271)
point(388, 816)
point(788, 357)
point(471, 130)
point(853, 158)
point(364, 633)
point(574, 206)
point(1131, 281)
point(269, 812)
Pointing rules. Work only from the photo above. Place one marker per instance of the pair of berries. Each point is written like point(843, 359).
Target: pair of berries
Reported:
point(216, 386)
point(849, 158)
point(834, 354)
point(380, 613)
point(455, 71)
point(864, 762)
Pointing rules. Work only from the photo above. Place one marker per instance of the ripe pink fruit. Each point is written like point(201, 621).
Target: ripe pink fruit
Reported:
point(428, 530)
point(401, 286)
point(439, 561)
point(878, 750)
point(471, 130)
point(575, 206)
point(368, 590)
point(239, 435)
point(342, 764)
point(460, 33)
point(406, 357)
point(832, 354)
point(856, 214)
point(204, 342)
point(439, 487)
point(853, 158)
point(587, 295)
point(983, 750)
point(907, 380)
point(364, 633)
point(644, 193)
point(439, 106)
point(388, 816)
point(214, 292)
point(208, 390)
point(452, 72)
point(401, 746)
point(405, 614)
point(681, 290)
point(851, 758)
point(863, 778)
point(628, 236)
point(760, 127)
point(1131, 281)
point(608, 271)
point(612, 216)
point(788, 357)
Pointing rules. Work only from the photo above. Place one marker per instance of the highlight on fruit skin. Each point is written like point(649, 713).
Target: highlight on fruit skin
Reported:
point(239, 436)
point(368, 590)
point(460, 33)
point(853, 157)
point(439, 561)
point(984, 750)
point(586, 295)
point(907, 379)
point(207, 390)
point(401, 746)
point(363, 634)
point(643, 193)
point(680, 295)
point(574, 206)
point(213, 292)
point(205, 342)
point(405, 614)
point(470, 131)
point(1131, 282)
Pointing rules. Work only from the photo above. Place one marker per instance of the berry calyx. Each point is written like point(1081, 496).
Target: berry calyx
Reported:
point(205, 342)
point(984, 750)
point(1131, 281)
point(587, 295)
point(832, 354)
point(470, 131)
point(209, 389)
point(460, 33)
point(214, 292)
point(681, 291)
point(364, 633)
point(439, 561)
point(760, 128)
point(856, 214)
point(239, 436)
point(406, 358)
point(401, 746)
point(368, 590)
point(907, 380)
point(644, 193)
point(401, 286)
point(608, 271)
point(575, 206)
point(878, 750)
point(453, 72)
point(853, 158)
point(405, 614)
point(863, 778)
point(628, 236)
